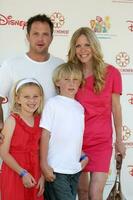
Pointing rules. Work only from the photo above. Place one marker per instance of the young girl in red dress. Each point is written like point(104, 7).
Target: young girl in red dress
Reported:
point(21, 177)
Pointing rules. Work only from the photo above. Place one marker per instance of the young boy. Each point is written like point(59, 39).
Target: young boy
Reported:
point(61, 143)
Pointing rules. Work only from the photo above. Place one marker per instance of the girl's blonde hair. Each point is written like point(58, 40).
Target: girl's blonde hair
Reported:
point(15, 106)
point(98, 62)
point(66, 70)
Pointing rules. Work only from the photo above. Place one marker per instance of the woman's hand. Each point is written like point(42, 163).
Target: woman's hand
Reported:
point(120, 149)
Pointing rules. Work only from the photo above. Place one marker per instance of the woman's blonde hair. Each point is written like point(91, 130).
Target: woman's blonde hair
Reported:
point(98, 62)
point(67, 69)
point(15, 106)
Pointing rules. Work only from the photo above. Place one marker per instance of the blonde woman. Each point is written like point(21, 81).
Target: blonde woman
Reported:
point(100, 96)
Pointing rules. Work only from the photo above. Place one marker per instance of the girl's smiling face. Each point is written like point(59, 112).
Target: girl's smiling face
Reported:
point(29, 98)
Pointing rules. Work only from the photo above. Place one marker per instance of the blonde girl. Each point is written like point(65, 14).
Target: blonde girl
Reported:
point(21, 176)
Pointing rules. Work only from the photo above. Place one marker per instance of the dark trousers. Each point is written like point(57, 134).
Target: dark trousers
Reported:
point(63, 188)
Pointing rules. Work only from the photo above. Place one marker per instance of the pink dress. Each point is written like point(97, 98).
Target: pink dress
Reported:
point(97, 141)
point(25, 149)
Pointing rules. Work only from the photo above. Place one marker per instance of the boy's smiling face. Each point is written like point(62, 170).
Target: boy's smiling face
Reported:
point(68, 85)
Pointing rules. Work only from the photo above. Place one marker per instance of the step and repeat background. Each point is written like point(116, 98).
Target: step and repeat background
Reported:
point(112, 20)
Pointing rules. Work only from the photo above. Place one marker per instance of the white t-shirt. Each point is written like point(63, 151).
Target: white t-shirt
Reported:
point(21, 67)
point(63, 117)
point(18, 68)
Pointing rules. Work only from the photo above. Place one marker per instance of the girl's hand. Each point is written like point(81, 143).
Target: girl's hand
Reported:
point(28, 180)
point(40, 186)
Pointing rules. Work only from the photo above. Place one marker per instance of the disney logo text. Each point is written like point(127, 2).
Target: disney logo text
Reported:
point(8, 20)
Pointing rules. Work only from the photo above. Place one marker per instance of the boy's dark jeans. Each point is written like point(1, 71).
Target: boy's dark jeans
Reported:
point(63, 188)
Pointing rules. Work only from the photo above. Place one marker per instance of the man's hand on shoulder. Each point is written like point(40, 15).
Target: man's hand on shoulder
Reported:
point(1, 138)
point(1, 121)
point(1, 135)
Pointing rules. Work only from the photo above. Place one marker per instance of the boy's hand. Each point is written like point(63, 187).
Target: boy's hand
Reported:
point(48, 173)
point(84, 160)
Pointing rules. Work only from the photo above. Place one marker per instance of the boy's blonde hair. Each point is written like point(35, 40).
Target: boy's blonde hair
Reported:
point(15, 106)
point(67, 69)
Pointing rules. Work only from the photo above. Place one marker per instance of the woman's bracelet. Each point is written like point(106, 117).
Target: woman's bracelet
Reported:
point(83, 157)
point(23, 173)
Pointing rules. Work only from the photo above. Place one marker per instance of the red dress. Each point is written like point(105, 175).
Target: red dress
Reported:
point(97, 140)
point(25, 149)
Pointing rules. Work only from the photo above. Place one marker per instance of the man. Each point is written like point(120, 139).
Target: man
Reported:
point(36, 63)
